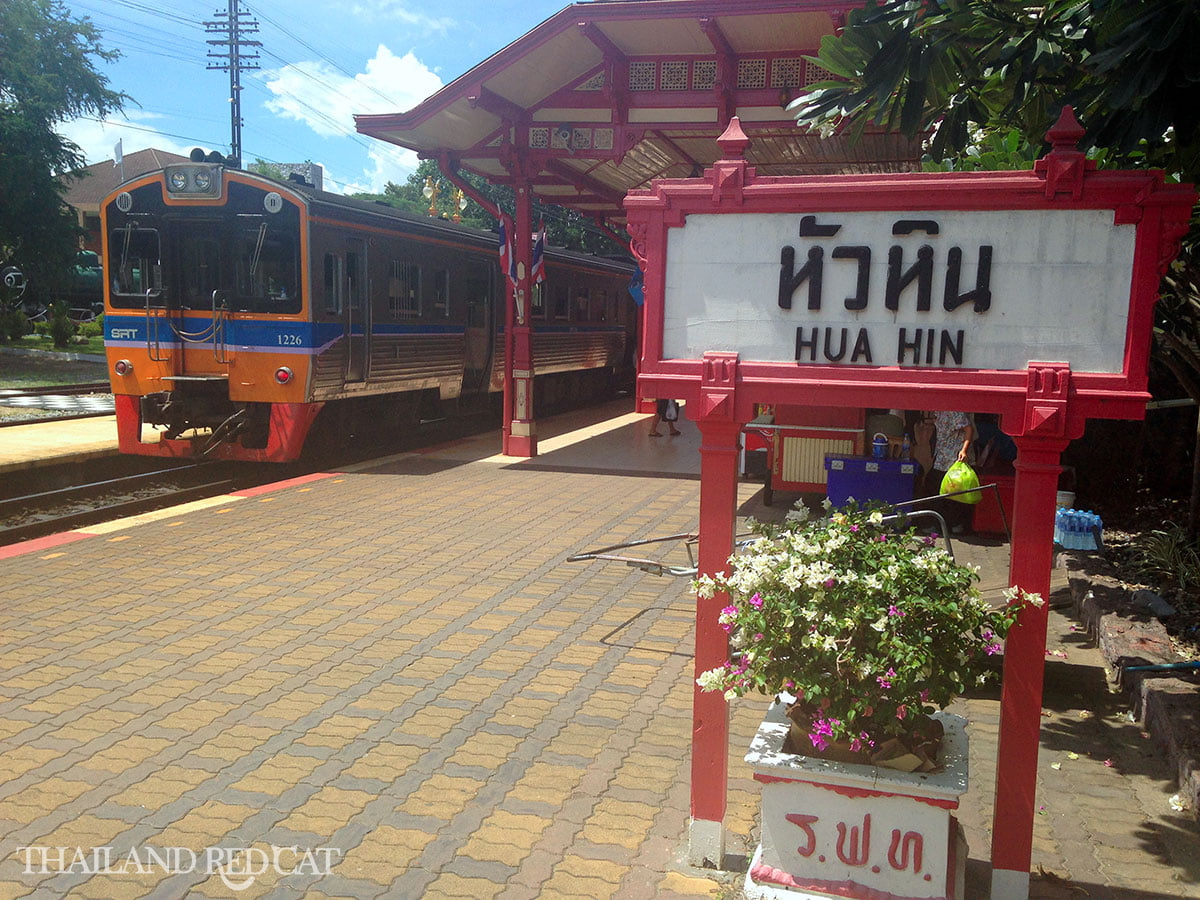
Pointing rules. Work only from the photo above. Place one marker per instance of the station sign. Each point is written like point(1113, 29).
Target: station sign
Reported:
point(945, 288)
point(940, 290)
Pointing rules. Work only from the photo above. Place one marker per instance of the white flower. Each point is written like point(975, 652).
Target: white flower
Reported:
point(710, 680)
point(875, 518)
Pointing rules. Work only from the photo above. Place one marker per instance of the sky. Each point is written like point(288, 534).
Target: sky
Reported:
point(321, 62)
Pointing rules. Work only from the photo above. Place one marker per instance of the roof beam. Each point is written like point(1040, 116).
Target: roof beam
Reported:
point(490, 101)
point(601, 190)
point(726, 81)
point(613, 54)
point(618, 70)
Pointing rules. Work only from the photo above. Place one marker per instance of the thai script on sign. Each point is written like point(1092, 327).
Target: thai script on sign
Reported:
point(905, 277)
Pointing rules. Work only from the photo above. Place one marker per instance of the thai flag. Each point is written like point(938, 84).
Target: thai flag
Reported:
point(508, 259)
point(539, 255)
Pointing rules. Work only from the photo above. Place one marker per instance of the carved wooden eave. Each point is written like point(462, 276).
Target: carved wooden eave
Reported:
point(604, 98)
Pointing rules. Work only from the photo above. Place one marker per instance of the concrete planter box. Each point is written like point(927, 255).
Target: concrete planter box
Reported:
point(832, 829)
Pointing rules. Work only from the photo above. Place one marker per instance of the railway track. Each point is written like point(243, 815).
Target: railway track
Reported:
point(75, 496)
point(56, 402)
point(62, 509)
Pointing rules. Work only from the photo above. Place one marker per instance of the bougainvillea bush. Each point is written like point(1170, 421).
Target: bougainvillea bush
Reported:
point(869, 626)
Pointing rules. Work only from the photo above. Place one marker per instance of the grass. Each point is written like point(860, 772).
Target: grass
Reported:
point(25, 371)
point(94, 345)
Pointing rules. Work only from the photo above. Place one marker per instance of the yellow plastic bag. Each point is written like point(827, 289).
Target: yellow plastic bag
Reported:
point(961, 477)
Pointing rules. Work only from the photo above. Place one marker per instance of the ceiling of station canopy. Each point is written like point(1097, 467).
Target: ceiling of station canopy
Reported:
point(604, 97)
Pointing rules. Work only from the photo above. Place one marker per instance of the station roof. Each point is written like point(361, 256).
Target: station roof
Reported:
point(606, 96)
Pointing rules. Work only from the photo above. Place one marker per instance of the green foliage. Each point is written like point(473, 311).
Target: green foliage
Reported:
point(14, 324)
point(564, 227)
point(47, 76)
point(1172, 554)
point(954, 69)
point(62, 329)
point(92, 329)
point(270, 170)
point(867, 626)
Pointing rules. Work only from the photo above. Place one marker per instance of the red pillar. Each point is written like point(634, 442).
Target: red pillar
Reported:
point(1037, 470)
point(520, 431)
point(719, 434)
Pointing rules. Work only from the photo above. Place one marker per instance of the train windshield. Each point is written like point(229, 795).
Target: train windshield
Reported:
point(197, 263)
point(137, 276)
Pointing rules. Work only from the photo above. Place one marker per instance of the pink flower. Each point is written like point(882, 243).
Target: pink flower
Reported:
point(901, 711)
point(854, 528)
point(882, 538)
point(894, 610)
point(830, 582)
point(729, 611)
point(885, 680)
point(756, 601)
point(759, 636)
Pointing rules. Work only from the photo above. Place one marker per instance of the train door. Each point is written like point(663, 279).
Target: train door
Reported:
point(480, 344)
point(357, 317)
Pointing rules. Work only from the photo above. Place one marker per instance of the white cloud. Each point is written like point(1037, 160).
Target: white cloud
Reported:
point(326, 101)
point(98, 138)
point(402, 12)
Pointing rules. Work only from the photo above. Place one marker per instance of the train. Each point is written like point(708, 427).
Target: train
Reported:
point(247, 318)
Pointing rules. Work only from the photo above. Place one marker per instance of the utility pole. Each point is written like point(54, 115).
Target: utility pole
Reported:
point(233, 25)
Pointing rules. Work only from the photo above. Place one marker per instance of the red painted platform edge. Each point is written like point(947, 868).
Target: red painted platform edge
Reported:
point(35, 545)
point(280, 485)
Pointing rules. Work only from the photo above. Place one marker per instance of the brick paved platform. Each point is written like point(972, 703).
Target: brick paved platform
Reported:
point(395, 663)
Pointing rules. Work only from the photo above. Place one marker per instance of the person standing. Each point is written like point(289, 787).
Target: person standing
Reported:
point(954, 438)
point(665, 411)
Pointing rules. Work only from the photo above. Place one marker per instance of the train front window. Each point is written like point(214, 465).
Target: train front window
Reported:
point(138, 270)
point(201, 267)
point(267, 263)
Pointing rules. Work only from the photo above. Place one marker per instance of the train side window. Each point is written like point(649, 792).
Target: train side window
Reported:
point(612, 312)
point(334, 284)
point(599, 306)
point(562, 302)
point(138, 268)
point(538, 308)
point(582, 305)
point(353, 281)
point(441, 292)
point(404, 290)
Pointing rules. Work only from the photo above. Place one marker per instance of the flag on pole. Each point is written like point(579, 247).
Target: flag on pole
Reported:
point(508, 259)
point(118, 154)
point(539, 254)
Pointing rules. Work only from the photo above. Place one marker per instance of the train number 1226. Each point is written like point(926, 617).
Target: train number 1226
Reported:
point(289, 340)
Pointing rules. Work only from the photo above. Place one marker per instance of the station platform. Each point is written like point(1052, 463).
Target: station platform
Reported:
point(55, 442)
point(393, 669)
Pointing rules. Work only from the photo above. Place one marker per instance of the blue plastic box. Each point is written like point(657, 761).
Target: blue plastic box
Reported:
point(866, 478)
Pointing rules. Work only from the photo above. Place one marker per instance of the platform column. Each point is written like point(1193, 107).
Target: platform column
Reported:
point(719, 432)
point(1038, 465)
point(520, 429)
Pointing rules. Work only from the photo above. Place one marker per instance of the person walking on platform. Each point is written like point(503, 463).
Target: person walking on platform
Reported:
point(954, 437)
point(665, 411)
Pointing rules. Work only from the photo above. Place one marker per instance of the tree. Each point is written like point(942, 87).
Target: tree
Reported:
point(564, 227)
point(47, 76)
point(985, 79)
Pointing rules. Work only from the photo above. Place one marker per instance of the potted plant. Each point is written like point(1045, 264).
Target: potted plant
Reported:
point(864, 630)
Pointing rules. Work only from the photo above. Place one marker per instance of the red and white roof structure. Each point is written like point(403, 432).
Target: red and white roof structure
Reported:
point(604, 97)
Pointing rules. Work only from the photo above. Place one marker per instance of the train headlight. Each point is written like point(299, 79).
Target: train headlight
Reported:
point(194, 180)
point(283, 375)
point(123, 367)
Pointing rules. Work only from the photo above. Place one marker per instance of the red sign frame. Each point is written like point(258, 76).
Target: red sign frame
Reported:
point(1063, 180)
point(1043, 407)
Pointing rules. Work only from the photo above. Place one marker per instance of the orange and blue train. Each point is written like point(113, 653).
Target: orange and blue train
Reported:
point(244, 316)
